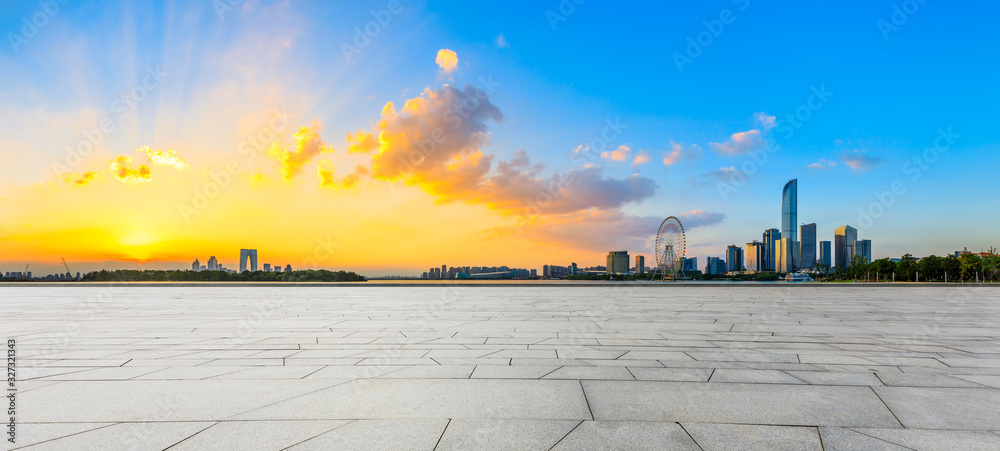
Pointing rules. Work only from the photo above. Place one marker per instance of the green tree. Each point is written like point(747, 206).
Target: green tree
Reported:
point(971, 266)
point(952, 268)
point(906, 268)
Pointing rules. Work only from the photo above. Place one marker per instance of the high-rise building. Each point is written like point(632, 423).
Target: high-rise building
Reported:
point(843, 245)
point(824, 254)
point(640, 264)
point(715, 265)
point(755, 256)
point(267, 267)
point(196, 265)
point(790, 210)
point(617, 262)
point(573, 269)
point(734, 258)
point(771, 237)
point(785, 252)
point(864, 249)
point(690, 264)
point(213, 264)
point(288, 268)
point(807, 259)
point(248, 254)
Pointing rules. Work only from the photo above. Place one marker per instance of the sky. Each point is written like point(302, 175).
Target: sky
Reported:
point(387, 137)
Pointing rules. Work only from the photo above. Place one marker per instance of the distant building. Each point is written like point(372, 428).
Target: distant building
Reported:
point(213, 263)
point(734, 258)
point(756, 253)
point(807, 258)
point(534, 273)
point(202, 268)
point(824, 254)
point(288, 268)
point(771, 237)
point(196, 265)
point(573, 269)
point(864, 249)
point(555, 272)
point(248, 254)
point(617, 262)
point(844, 239)
point(640, 264)
point(267, 267)
point(715, 265)
point(690, 264)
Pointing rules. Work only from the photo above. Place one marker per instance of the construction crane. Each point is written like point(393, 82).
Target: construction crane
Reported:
point(68, 272)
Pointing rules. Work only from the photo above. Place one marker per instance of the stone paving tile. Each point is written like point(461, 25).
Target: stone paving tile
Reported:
point(125, 436)
point(753, 437)
point(501, 435)
point(844, 439)
point(264, 435)
point(805, 405)
point(512, 372)
point(924, 439)
point(435, 398)
point(632, 435)
point(32, 433)
point(754, 376)
point(672, 374)
point(836, 378)
point(943, 408)
point(415, 434)
point(586, 372)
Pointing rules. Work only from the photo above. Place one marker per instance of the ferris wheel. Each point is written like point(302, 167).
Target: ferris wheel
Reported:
point(669, 248)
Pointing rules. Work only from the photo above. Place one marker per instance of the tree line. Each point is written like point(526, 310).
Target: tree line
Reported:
point(966, 267)
point(154, 275)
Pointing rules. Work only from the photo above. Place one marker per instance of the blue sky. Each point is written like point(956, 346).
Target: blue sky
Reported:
point(562, 75)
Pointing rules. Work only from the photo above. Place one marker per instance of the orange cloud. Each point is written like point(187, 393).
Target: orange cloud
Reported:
point(678, 153)
point(641, 158)
point(120, 167)
point(361, 142)
point(739, 143)
point(307, 143)
point(447, 60)
point(325, 172)
point(622, 153)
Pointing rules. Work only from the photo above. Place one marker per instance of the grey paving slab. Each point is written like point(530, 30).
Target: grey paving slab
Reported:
point(630, 435)
point(413, 434)
point(943, 408)
point(512, 372)
point(844, 439)
point(925, 439)
point(125, 436)
point(754, 376)
point(753, 437)
point(500, 435)
point(263, 435)
point(806, 405)
point(435, 398)
point(32, 433)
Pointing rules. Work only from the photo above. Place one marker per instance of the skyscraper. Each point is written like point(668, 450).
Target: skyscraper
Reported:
point(690, 264)
point(617, 262)
point(790, 210)
point(196, 265)
point(640, 264)
point(248, 254)
point(213, 264)
point(734, 258)
point(864, 249)
point(807, 259)
point(267, 267)
point(824, 254)
point(843, 245)
point(771, 237)
point(755, 256)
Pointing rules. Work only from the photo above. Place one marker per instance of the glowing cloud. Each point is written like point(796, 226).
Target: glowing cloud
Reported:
point(164, 157)
point(621, 153)
point(447, 60)
point(739, 143)
point(642, 158)
point(823, 163)
point(120, 167)
point(325, 173)
point(308, 144)
point(700, 218)
point(361, 142)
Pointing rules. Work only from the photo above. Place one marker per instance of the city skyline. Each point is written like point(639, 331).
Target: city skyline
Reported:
point(309, 141)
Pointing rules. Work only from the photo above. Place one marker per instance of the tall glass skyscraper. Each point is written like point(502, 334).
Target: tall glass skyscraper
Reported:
point(248, 254)
point(790, 210)
point(843, 246)
point(808, 257)
point(771, 237)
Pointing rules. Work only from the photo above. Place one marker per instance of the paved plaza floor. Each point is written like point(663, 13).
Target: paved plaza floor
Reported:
point(505, 367)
